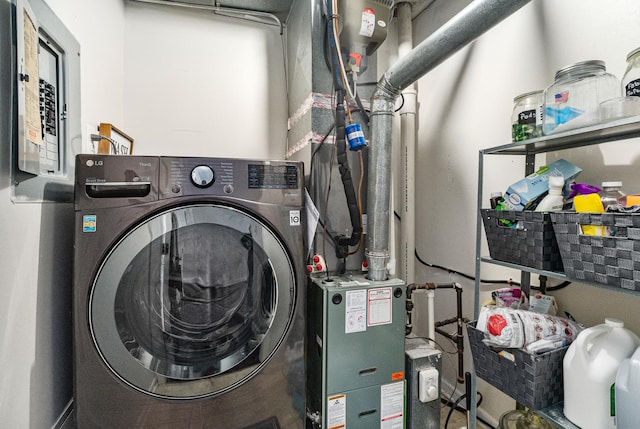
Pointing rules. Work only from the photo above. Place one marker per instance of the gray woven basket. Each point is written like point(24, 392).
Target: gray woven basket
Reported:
point(534, 380)
point(612, 260)
point(532, 245)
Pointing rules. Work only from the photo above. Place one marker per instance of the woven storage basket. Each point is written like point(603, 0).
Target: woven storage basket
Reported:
point(534, 380)
point(612, 260)
point(534, 245)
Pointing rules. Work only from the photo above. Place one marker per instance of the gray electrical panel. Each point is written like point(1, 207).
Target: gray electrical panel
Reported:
point(47, 105)
point(355, 353)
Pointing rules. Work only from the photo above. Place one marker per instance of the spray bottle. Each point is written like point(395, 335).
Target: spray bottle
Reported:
point(587, 199)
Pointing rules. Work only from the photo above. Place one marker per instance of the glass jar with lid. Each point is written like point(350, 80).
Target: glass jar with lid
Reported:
point(572, 101)
point(631, 78)
point(526, 119)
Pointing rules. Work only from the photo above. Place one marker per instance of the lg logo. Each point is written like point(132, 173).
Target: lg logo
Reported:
point(91, 163)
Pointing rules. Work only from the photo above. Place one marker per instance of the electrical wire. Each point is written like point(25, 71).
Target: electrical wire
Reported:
point(360, 156)
point(334, 20)
point(466, 276)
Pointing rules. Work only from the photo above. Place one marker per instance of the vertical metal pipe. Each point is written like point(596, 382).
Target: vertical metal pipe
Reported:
point(463, 28)
point(379, 185)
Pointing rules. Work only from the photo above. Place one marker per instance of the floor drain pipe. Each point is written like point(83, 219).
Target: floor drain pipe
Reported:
point(466, 26)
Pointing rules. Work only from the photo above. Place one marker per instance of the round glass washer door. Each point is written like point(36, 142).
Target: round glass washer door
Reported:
point(192, 302)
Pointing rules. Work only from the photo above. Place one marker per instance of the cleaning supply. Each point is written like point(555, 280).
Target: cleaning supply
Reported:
point(589, 371)
point(554, 200)
point(521, 194)
point(628, 392)
point(587, 199)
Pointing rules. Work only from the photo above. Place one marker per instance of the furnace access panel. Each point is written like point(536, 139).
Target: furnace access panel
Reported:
point(355, 353)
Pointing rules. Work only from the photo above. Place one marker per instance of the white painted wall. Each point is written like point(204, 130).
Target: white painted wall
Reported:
point(198, 84)
point(465, 105)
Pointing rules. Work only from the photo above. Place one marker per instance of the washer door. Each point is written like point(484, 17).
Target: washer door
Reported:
point(192, 302)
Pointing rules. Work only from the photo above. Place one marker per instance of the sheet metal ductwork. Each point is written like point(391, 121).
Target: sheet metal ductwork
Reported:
point(466, 26)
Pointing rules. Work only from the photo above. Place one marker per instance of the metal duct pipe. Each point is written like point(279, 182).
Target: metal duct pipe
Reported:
point(466, 26)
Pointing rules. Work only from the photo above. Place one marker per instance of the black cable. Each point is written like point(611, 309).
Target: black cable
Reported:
point(347, 181)
point(454, 406)
point(401, 104)
point(317, 149)
point(467, 276)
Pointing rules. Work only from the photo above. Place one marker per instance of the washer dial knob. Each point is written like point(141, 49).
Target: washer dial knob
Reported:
point(202, 176)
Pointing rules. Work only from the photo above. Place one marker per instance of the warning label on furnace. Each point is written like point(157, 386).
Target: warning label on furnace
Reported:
point(379, 303)
point(392, 406)
point(337, 411)
point(355, 311)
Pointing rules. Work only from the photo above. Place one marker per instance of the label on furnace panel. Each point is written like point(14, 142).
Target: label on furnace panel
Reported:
point(337, 411)
point(392, 405)
point(89, 223)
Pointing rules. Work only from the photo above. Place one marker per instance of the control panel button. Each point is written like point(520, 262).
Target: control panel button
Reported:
point(202, 176)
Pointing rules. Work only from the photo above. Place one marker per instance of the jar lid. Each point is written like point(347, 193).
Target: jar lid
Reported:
point(581, 66)
point(632, 53)
point(526, 94)
point(614, 184)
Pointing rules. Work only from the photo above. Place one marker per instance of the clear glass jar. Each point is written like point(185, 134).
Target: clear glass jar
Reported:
point(526, 118)
point(572, 101)
point(631, 78)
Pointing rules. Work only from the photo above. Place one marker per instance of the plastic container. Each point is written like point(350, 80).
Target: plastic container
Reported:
point(612, 194)
point(526, 118)
point(628, 392)
point(589, 367)
point(554, 200)
point(573, 100)
point(631, 78)
point(591, 203)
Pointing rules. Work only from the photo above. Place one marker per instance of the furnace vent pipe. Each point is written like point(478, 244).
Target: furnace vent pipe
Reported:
point(466, 26)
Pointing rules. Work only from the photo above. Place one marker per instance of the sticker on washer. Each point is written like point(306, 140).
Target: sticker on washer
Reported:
point(379, 304)
point(368, 23)
point(89, 223)
point(355, 317)
point(337, 411)
point(294, 217)
point(392, 405)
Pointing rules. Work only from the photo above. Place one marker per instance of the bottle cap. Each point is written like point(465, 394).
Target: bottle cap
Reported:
point(616, 184)
point(496, 194)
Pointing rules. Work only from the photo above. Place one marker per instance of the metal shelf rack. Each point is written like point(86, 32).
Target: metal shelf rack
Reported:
point(620, 129)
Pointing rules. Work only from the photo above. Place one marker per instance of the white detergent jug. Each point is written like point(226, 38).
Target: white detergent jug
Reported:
point(628, 392)
point(590, 366)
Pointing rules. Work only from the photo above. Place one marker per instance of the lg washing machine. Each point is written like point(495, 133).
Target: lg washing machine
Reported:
point(188, 293)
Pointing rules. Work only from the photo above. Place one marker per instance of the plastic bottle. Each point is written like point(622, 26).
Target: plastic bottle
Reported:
point(612, 194)
point(628, 392)
point(589, 372)
point(554, 199)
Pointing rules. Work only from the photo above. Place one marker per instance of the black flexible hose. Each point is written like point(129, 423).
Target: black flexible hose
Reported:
point(345, 175)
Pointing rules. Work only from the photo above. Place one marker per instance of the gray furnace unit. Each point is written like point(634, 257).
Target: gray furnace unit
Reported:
point(355, 353)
